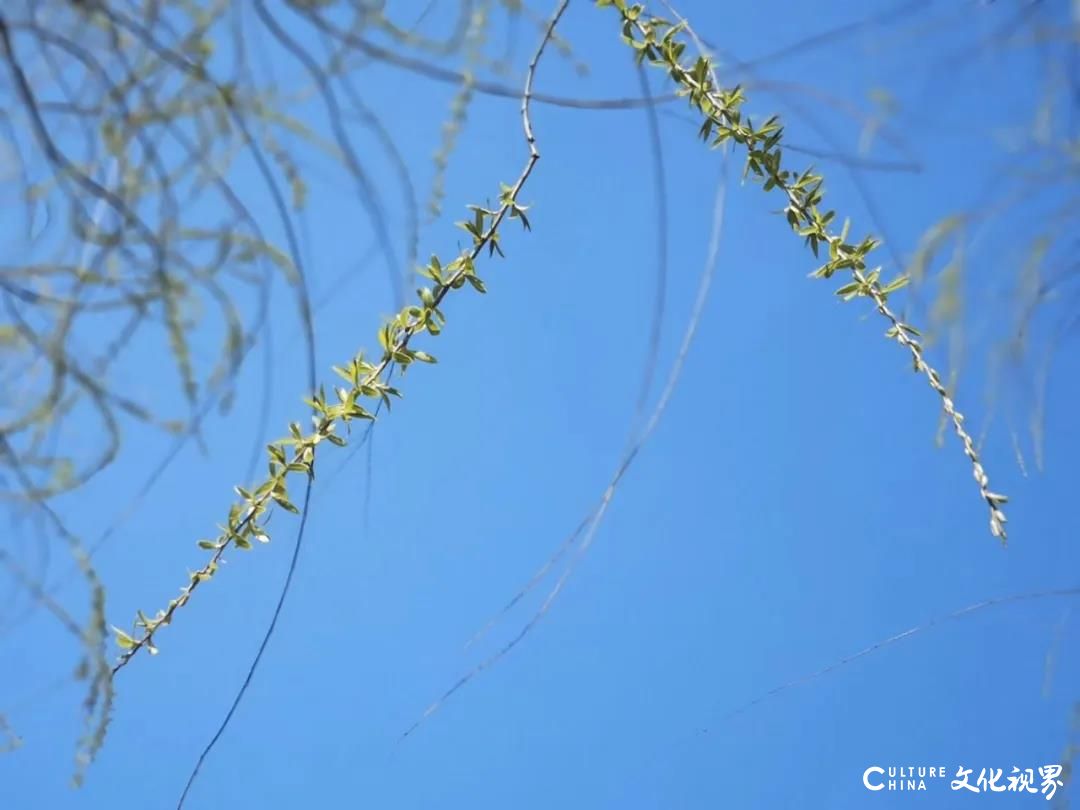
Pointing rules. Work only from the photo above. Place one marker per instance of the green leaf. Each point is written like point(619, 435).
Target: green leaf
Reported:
point(848, 289)
point(897, 283)
point(285, 504)
point(123, 640)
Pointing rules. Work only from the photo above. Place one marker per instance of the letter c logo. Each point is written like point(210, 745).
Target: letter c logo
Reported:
point(866, 777)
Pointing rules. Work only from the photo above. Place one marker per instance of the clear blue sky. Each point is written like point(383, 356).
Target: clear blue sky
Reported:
point(791, 509)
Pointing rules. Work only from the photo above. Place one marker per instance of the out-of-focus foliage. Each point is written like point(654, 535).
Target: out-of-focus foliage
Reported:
point(1012, 251)
point(152, 182)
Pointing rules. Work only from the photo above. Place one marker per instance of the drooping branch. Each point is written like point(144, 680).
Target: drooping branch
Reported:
point(365, 379)
point(659, 42)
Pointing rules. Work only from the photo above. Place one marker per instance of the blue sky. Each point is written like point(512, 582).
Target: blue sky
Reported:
point(791, 509)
